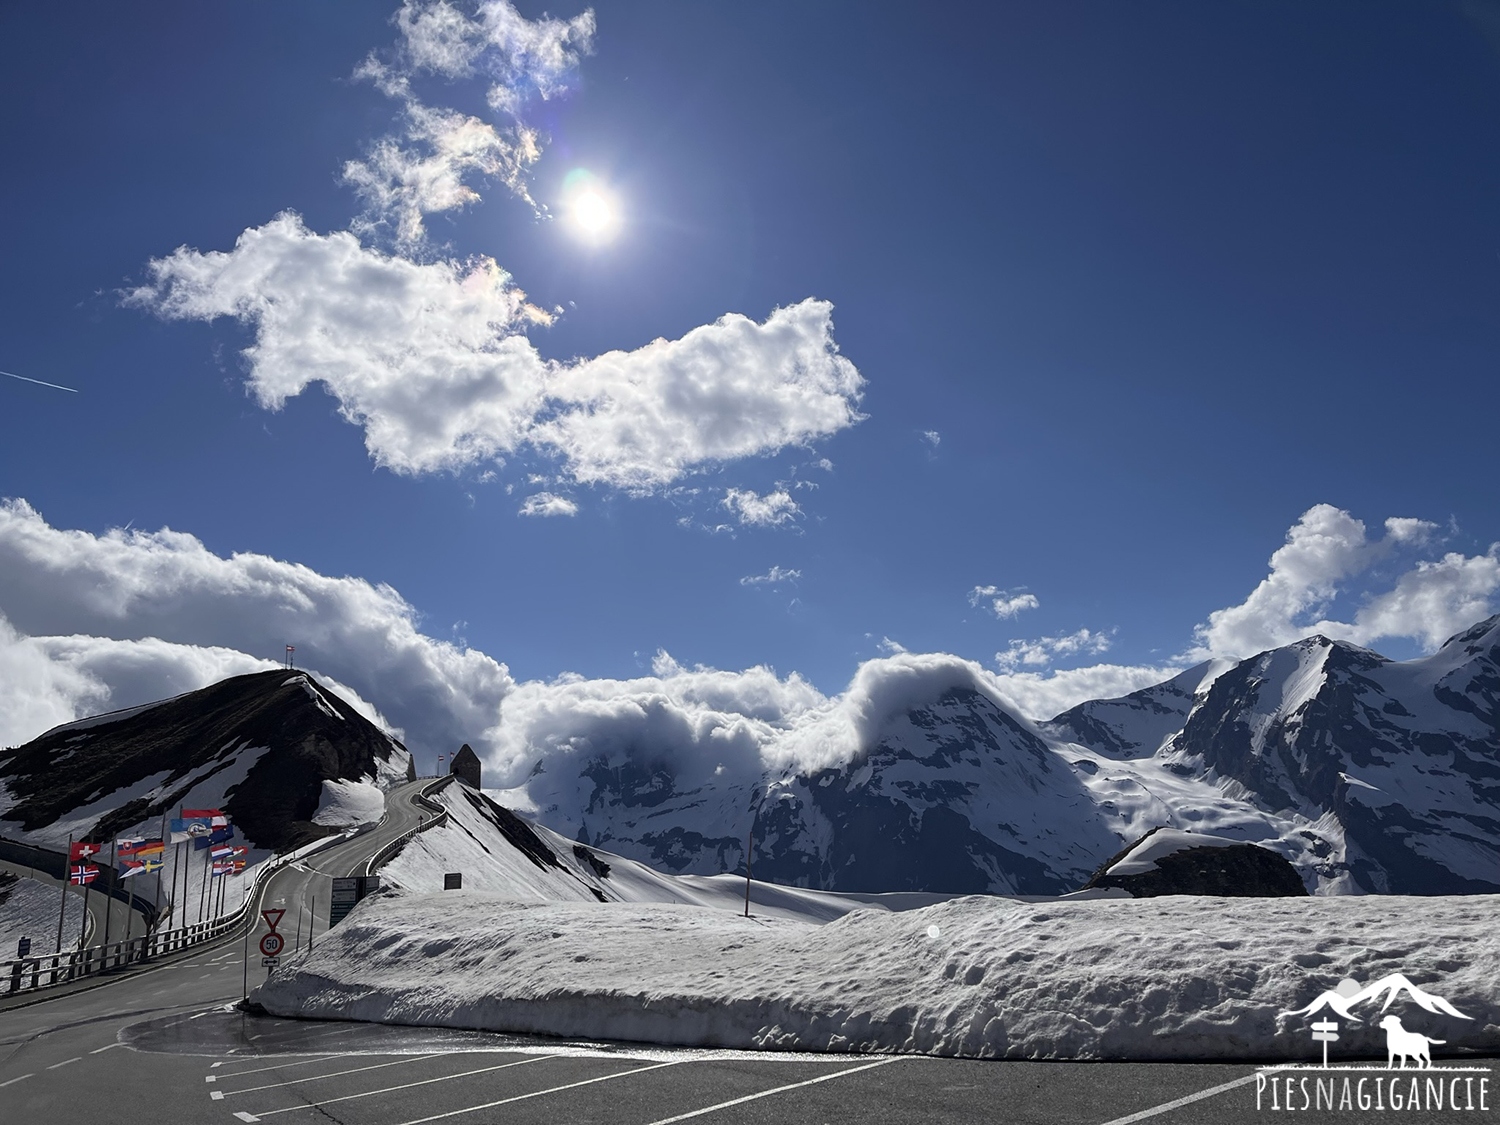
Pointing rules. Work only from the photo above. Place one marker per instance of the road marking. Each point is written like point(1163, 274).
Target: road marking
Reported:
point(101, 1050)
point(211, 1078)
point(1188, 1100)
point(409, 1085)
point(278, 1066)
point(777, 1090)
point(539, 1093)
point(10, 1081)
point(331, 1074)
point(217, 1095)
point(243, 1116)
point(65, 1062)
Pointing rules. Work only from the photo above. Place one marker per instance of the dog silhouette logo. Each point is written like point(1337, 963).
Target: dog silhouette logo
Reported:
point(1402, 1044)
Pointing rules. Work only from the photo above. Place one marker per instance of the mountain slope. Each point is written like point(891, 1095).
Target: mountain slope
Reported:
point(1402, 759)
point(259, 746)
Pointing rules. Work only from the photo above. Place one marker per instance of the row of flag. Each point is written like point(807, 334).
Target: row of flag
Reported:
point(208, 829)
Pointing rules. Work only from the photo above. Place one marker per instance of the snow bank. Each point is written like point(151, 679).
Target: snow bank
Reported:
point(980, 977)
point(30, 909)
point(347, 803)
point(1162, 843)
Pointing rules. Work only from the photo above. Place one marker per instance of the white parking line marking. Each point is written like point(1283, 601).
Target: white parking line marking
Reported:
point(539, 1093)
point(408, 1086)
point(332, 1074)
point(10, 1081)
point(776, 1090)
point(65, 1062)
point(217, 1095)
point(101, 1050)
point(1188, 1100)
point(243, 1116)
point(278, 1066)
point(211, 1078)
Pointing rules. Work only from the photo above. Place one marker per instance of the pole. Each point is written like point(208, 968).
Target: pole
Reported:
point(312, 923)
point(83, 928)
point(203, 890)
point(749, 840)
point(163, 866)
point(109, 894)
point(63, 909)
point(298, 944)
point(129, 919)
point(249, 925)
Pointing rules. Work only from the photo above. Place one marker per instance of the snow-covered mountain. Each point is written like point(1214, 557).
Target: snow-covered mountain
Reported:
point(1367, 774)
point(282, 755)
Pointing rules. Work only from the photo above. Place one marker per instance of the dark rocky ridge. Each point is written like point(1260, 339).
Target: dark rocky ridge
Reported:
point(193, 736)
point(1237, 871)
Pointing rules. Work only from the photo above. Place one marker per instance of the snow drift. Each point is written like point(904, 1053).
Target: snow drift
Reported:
point(1164, 978)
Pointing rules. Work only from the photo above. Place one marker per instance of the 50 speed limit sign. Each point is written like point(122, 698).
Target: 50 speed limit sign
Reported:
point(271, 944)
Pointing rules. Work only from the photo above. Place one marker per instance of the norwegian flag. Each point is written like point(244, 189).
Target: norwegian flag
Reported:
point(82, 849)
point(83, 874)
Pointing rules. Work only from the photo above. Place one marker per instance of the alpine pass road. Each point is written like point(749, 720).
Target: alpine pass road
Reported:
point(164, 1044)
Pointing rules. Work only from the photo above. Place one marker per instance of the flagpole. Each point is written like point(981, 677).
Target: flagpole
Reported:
point(203, 890)
point(88, 885)
point(114, 844)
point(163, 866)
point(63, 909)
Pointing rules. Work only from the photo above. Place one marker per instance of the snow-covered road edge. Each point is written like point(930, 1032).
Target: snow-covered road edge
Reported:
point(1165, 978)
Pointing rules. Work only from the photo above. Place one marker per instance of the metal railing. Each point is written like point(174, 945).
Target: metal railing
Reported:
point(29, 973)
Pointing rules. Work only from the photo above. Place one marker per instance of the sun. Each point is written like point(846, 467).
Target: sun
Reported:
point(593, 212)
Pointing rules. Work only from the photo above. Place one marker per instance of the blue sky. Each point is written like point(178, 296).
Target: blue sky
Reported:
point(1085, 311)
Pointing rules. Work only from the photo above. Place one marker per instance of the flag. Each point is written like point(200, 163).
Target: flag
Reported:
point(217, 836)
point(138, 847)
point(239, 849)
point(83, 873)
point(215, 817)
point(83, 850)
point(228, 867)
point(222, 851)
point(139, 867)
point(190, 828)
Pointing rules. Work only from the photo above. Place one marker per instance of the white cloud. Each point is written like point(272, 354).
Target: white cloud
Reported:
point(522, 59)
point(1041, 651)
point(428, 359)
point(1043, 695)
point(773, 577)
point(932, 438)
point(752, 509)
point(1003, 603)
point(547, 504)
point(1325, 551)
point(127, 617)
point(889, 647)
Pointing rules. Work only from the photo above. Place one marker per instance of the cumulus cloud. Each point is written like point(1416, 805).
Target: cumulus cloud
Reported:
point(773, 577)
point(1003, 603)
point(547, 504)
point(1041, 651)
point(1325, 552)
point(428, 358)
point(754, 510)
point(122, 618)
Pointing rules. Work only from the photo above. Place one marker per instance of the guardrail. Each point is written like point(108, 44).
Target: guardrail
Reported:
point(387, 853)
point(29, 973)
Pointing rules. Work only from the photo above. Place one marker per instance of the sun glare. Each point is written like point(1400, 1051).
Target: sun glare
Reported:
point(592, 211)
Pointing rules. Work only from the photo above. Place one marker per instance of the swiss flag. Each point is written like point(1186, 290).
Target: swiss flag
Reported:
point(83, 850)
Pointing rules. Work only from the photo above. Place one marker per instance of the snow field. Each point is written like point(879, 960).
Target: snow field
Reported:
point(31, 910)
point(1164, 978)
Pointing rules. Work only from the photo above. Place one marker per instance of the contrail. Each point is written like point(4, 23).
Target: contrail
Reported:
point(39, 383)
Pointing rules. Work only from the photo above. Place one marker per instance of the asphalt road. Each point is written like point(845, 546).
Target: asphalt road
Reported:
point(164, 1044)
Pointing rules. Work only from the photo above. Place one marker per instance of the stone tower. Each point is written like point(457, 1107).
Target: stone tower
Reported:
point(466, 766)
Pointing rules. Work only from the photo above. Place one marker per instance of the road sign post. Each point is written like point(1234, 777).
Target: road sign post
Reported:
point(1325, 1032)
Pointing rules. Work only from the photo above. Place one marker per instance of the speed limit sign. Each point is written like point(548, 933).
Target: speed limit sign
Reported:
point(271, 944)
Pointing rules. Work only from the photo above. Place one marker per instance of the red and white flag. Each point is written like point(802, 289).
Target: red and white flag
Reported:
point(215, 817)
point(82, 849)
point(84, 873)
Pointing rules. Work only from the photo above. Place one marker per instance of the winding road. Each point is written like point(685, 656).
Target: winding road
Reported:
point(165, 1044)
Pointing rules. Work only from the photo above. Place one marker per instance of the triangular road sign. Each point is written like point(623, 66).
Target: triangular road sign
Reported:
point(272, 917)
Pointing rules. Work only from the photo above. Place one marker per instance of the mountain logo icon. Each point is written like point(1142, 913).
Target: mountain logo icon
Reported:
point(1343, 997)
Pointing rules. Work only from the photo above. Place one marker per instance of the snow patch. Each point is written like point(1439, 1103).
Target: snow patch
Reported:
point(347, 803)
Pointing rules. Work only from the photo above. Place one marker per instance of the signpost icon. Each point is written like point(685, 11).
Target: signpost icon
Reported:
point(1325, 1032)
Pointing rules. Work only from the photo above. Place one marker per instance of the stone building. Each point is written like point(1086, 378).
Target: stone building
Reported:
point(466, 766)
